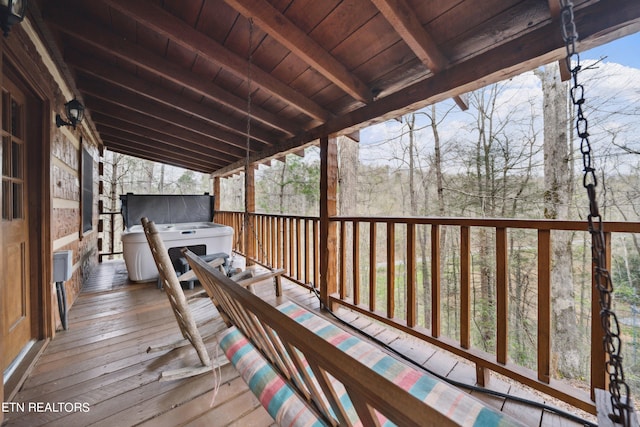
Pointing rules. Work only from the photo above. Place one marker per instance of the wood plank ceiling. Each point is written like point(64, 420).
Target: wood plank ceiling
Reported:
point(169, 80)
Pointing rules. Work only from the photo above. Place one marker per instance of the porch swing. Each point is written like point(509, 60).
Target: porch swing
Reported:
point(614, 406)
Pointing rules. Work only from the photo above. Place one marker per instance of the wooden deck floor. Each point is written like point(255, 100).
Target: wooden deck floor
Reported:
point(99, 373)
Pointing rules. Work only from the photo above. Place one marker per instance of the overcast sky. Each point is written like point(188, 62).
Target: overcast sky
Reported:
point(613, 100)
point(625, 51)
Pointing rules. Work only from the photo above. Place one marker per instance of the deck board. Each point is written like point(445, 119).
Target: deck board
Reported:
point(102, 361)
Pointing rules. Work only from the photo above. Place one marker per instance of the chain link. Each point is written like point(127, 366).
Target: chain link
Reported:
point(246, 224)
point(612, 342)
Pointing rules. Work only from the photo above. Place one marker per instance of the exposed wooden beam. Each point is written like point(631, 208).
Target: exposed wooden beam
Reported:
point(117, 77)
point(154, 125)
point(354, 136)
point(152, 148)
point(129, 100)
point(125, 148)
point(101, 39)
point(462, 101)
point(300, 44)
point(155, 17)
point(403, 19)
point(515, 57)
point(110, 127)
point(556, 10)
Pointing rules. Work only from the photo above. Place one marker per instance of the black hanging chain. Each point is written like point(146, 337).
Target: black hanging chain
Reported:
point(612, 342)
point(246, 224)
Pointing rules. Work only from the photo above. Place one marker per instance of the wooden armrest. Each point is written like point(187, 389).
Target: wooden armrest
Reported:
point(265, 276)
point(190, 275)
point(260, 277)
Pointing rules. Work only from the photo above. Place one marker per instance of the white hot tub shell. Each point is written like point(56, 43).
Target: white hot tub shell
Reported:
point(138, 258)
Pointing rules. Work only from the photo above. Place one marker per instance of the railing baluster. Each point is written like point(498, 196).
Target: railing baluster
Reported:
point(343, 259)
point(544, 305)
point(356, 262)
point(465, 287)
point(391, 270)
point(411, 275)
point(299, 258)
point(435, 281)
point(372, 266)
point(502, 295)
point(292, 245)
point(598, 357)
point(307, 252)
point(316, 252)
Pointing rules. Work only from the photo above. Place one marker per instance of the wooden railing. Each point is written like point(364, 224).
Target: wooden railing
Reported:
point(110, 231)
point(287, 242)
point(292, 243)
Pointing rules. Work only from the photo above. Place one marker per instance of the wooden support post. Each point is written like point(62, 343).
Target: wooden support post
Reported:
point(328, 208)
point(216, 193)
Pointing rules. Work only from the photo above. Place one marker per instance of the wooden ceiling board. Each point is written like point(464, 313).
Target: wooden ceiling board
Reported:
point(206, 70)
point(216, 20)
point(184, 64)
point(186, 150)
point(125, 27)
point(118, 133)
point(123, 99)
point(308, 14)
point(465, 15)
point(394, 58)
point(269, 54)
point(163, 130)
point(151, 153)
point(384, 78)
point(180, 56)
point(428, 11)
point(343, 21)
point(412, 71)
point(379, 36)
point(188, 11)
point(505, 26)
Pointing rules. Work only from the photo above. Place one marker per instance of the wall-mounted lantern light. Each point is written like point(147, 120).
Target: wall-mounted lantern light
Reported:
point(11, 12)
point(74, 111)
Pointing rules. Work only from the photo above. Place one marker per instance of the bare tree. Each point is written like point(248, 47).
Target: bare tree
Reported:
point(557, 198)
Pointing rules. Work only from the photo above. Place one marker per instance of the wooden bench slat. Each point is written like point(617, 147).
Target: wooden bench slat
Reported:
point(359, 383)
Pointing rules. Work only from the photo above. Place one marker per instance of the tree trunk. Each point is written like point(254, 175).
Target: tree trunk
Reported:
point(348, 152)
point(557, 198)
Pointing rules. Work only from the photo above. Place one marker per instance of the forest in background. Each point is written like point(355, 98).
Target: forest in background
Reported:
point(488, 162)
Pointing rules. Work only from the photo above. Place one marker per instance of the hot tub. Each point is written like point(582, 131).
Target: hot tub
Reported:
point(201, 237)
point(181, 220)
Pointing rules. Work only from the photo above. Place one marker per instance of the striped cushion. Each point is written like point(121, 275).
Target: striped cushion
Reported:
point(277, 397)
point(438, 395)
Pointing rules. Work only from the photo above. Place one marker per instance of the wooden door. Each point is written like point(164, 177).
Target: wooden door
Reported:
point(17, 329)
